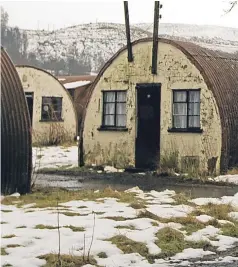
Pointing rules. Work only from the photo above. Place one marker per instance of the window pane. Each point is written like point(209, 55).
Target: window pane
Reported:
point(194, 109)
point(109, 96)
point(109, 120)
point(121, 96)
point(194, 96)
point(121, 108)
point(180, 109)
point(121, 120)
point(180, 96)
point(109, 108)
point(194, 121)
point(180, 122)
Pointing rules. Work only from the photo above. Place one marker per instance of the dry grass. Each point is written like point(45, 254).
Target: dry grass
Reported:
point(150, 215)
point(6, 211)
point(102, 255)
point(182, 198)
point(75, 228)
point(66, 260)
point(118, 218)
point(42, 226)
point(129, 246)
point(138, 205)
point(130, 227)
point(71, 214)
point(21, 226)
point(233, 171)
point(13, 246)
point(3, 222)
point(3, 252)
point(8, 236)
point(230, 229)
point(219, 212)
point(50, 198)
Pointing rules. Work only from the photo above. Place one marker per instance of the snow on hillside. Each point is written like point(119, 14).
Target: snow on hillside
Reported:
point(212, 37)
point(97, 42)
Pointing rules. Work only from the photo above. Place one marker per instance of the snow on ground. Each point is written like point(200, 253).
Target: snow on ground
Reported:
point(35, 242)
point(76, 84)
point(55, 156)
point(229, 178)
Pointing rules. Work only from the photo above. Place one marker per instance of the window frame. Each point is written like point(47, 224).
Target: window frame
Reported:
point(187, 129)
point(113, 127)
point(51, 119)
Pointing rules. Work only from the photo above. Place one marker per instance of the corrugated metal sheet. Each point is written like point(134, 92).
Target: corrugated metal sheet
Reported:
point(16, 147)
point(220, 71)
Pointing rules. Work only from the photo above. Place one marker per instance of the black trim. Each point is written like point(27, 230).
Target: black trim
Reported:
point(113, 129)
point(146, 85)
point(185, 130)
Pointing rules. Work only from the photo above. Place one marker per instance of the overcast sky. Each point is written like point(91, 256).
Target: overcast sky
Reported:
point(57, 14)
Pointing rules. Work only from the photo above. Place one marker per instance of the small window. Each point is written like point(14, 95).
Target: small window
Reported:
point(51, 108)
point(186, 109)
point(114, 109)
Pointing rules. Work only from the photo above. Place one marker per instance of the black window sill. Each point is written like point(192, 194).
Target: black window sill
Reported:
point(189, 130)
point(60, 120)
point(113, 129)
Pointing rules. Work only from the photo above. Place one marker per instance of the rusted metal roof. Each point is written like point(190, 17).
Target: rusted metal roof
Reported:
point(220, 72)
point(16, 148)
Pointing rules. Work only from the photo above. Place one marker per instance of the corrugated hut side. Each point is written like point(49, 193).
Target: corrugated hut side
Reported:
point(16, 147)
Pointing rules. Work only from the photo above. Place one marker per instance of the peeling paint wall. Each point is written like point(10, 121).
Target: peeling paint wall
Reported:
point(175, 71)
point(43, 84)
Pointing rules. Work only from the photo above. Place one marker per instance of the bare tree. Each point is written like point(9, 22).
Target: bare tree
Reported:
point(232, 4)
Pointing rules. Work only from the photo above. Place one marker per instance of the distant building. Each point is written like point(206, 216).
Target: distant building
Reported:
point(16, 147)
point(53, 117)
point(78, 86)
point(185, 117)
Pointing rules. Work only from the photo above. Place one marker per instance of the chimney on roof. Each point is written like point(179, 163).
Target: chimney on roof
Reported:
point(157, 17)
point(128, 35)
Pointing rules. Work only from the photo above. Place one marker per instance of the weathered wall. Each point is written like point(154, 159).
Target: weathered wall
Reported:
point(175, 71)
point(42, 84)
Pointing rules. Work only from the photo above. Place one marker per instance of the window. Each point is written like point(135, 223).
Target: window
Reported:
point(186, 109)
point(114, 109)
point(51, 108)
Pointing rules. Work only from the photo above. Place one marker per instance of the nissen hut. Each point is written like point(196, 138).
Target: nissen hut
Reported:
point(185, 116)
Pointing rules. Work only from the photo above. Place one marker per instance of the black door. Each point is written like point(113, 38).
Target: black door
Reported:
point(148, 126)
point(30, 100)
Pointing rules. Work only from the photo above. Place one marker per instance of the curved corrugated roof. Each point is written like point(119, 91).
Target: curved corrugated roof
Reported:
point(220, 71)
point(16, 148)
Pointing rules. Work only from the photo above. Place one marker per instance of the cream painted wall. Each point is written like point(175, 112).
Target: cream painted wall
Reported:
point(175, 71)
point(43, 84)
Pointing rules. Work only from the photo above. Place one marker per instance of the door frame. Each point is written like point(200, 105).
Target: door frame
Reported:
point(28, 94)
point(140, 86)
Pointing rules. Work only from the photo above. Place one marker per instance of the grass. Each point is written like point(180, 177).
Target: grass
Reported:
point(8, 236)
point(66, 260)
point(7, 265)
point(50, 198)
point(42, 226)
point(150, 215)
point(154, 224)
point(21, 226)
point(172, 242)
point(13, 246)
point(6, 211)
point(129, 246)
point(68, 213)
point(138, 205)
point(75, 228)
point(233, 171)
point(182, 198)
point(118, 218)
point(230, 229)
point(3, 252)
point(102, 255)
point(82, 207)
point(3, 222)
point(219, 212)
point(130, 227)
point(190, 224)
point(99, 212)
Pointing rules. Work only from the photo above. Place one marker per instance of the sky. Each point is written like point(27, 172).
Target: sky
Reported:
point(52, 15)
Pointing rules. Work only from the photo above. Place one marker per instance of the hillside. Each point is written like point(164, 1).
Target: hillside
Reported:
point(95, 43)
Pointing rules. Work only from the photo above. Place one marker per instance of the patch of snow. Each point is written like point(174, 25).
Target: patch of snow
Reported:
point(169, 211)
point(229, 259)
point(15, 195)
point(61, 79)
point(203, 234)
point(204, 218)
point(229, 178)
point(191, 253)
point(224, 242)
point(54, 156)
point(76, 84)
point(110, 169)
